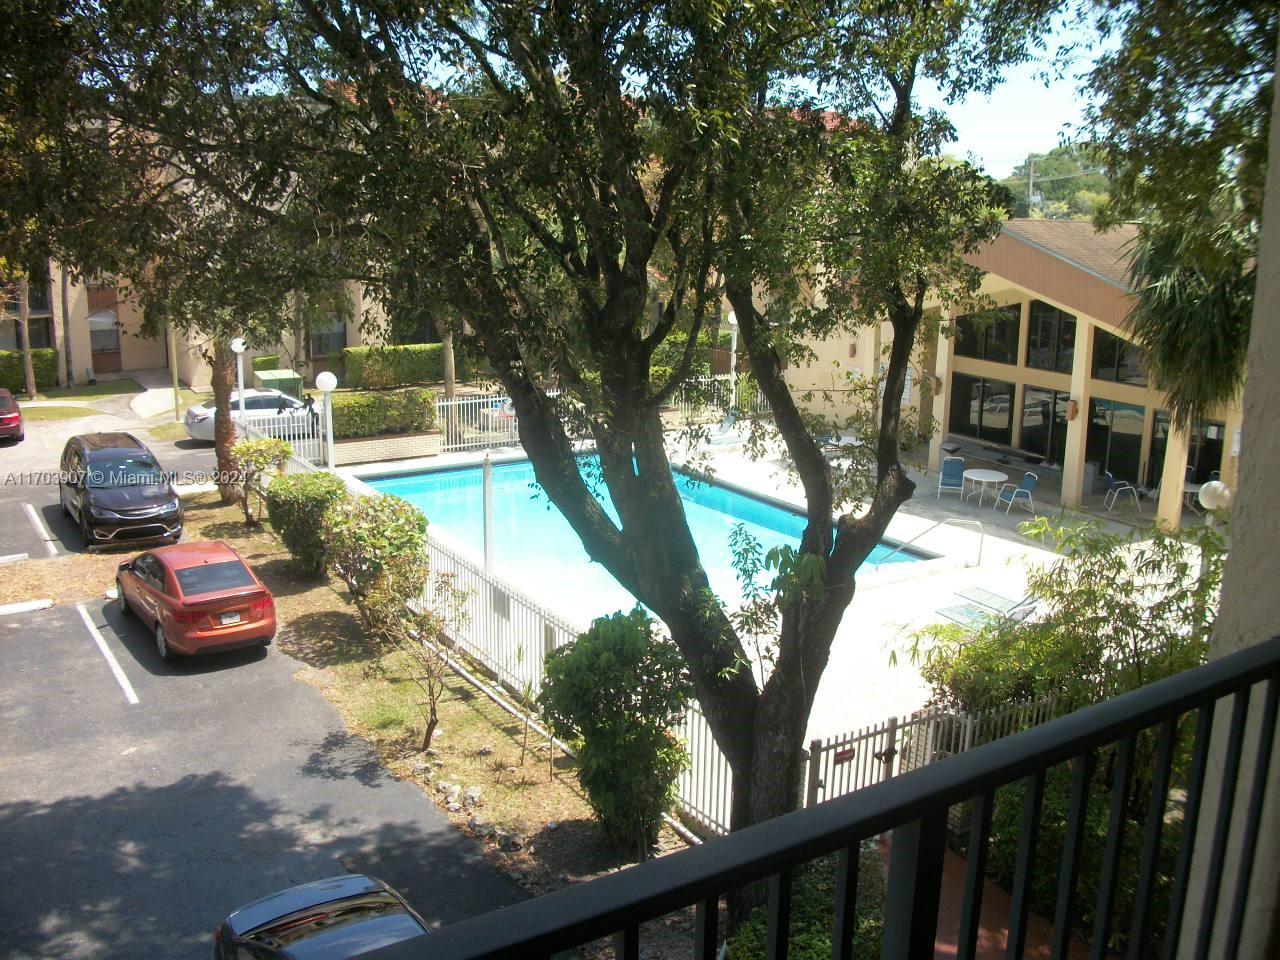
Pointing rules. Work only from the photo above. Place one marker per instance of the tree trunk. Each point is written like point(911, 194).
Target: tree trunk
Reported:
point(65, 296)
point(24, 339)
point(224, 428)
point(446, 353)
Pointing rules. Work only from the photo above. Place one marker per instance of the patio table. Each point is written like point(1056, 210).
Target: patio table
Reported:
point(980, 478)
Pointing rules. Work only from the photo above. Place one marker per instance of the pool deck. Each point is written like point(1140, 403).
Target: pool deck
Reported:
point(860, 686)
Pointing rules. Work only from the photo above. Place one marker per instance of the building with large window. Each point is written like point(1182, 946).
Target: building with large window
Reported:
point(1047, 376)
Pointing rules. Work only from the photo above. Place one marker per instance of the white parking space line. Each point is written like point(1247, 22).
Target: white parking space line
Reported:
point(13, 558)
point(41, 530)
point(110, 657)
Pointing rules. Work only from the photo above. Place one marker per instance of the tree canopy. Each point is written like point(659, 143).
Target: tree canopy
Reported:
point(1068, 182)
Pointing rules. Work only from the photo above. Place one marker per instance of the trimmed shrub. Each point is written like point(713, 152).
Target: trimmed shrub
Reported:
point(372, 540)
point(616, 692)
point(266, 363)
point(253, 460)
point(375, 414)
point(44, 362)
point(296, 506)
point(377, 368)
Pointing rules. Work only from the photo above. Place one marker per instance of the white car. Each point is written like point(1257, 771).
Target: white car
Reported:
point(258, 405)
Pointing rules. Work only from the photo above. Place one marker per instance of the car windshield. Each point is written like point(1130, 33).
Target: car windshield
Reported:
point(212, 577)
point(123, 470)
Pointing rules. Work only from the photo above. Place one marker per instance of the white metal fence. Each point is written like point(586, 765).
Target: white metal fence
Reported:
point(303, 431)
point(847, 762)
point(478, 423)
point(498, 626)
point(710, 398)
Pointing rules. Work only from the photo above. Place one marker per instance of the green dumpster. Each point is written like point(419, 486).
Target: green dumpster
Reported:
point(286, 381)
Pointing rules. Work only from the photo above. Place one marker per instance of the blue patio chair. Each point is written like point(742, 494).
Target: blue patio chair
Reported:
point(1011, 493)
point(1117, 489)
point(951, 477)
point(1215, 474)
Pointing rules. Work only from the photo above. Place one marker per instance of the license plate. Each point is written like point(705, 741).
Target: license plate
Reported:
point(230, 618)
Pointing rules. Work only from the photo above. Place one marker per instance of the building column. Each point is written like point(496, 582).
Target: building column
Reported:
point(1176, 450)
point(1073, 456)
point(942, 394)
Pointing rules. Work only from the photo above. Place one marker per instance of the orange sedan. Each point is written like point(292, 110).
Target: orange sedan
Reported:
point(198, 597)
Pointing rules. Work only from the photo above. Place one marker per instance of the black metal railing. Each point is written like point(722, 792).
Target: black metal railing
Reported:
point(1148, 729)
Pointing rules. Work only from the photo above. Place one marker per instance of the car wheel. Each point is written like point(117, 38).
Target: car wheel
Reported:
point(62, 500)
point(21, 437)
point(162, 644)
point(121, 601)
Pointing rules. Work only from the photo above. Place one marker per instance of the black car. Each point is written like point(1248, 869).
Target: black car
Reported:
point(111, 484)
point(326, 920)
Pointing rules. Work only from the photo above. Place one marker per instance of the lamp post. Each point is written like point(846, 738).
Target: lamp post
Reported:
point(326, 382)
point(1213, 496)
point(238, 346)
point(733, 360)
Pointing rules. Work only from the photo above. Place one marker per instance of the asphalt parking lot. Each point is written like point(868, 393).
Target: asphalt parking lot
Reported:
point(141, 801)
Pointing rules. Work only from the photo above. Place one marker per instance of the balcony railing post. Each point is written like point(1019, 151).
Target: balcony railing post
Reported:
point(814, 780)
point(915, 883)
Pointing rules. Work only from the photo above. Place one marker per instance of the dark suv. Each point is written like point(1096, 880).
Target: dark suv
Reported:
point(111, 484)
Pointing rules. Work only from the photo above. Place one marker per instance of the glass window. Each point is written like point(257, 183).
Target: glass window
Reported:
point(212, 577)
point(982, 408)
point(1118, 360)
point(1044, 423)
point(1114, 438)
point(328, 336)
point(37, 330)
point(124, 470)
point(104, 335)
point(992, 336)
point(1051, 338)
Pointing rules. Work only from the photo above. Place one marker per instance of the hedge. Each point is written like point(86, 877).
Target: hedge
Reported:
point(44, 360)
point(266, 363)
point(355, 415)
point(378, 367)
point(296, 505)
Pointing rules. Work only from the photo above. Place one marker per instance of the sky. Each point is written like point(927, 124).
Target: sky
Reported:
point(1022, 116)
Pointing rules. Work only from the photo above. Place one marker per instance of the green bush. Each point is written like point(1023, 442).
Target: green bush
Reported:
point(296, 507)
point(812, 896)
point(377, 368)
point(44, 363)
point(370, 540)
point(412, 410)
point(266, 363)
point(616, 692)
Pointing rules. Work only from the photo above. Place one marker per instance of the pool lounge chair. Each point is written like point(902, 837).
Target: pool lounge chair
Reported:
point(974, 616)
point(951, 476)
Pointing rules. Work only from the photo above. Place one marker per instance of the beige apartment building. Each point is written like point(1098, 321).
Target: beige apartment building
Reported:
point(1051, 380)
point(107, 339)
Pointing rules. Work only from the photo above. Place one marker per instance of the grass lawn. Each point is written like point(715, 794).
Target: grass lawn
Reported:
point(168, 431)
point(57, 413)
point(83, 391)
point(477, 744)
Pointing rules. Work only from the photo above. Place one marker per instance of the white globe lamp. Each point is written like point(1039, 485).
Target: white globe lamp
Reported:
point(1215, 495)
point(326, 383)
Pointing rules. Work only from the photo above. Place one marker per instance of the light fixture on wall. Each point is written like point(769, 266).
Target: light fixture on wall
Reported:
point(1073, 409)
point(853, 350)
point(935, 384)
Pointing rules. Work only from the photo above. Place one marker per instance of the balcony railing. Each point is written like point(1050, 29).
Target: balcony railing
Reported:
point(914, 807)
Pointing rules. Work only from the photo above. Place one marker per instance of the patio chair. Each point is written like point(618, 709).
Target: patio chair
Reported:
point(1215, 474)
point(1011, 493)
point(1117, 489)
point(951, 477)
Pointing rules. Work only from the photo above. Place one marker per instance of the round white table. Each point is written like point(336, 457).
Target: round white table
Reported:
point(980, 478)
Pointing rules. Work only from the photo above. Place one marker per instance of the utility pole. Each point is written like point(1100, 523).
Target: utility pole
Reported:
point(1031, 182)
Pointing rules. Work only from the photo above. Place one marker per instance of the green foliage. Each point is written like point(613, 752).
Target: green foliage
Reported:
point(1069, 180)
point(296, 507)
point(812, 896)
point(374, 543)
point(616, 692)
point(44, 361)
point(412, 410)
point(252, 460)
point(1119, 611)
point(268, 362)
point(377, 368)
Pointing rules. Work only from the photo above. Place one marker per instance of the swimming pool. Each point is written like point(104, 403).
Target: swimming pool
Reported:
point(535, 548)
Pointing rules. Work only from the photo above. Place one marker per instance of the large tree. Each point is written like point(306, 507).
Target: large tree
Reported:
point(1180, 113)
point(545, 167)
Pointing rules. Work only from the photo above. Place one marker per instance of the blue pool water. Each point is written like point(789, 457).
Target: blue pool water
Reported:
point(536, 549)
